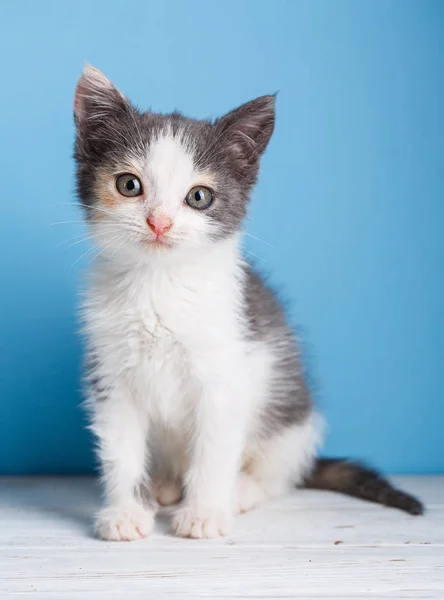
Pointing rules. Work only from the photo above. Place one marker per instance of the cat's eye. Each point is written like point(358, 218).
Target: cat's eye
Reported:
point(129, 185)
point(199, 197)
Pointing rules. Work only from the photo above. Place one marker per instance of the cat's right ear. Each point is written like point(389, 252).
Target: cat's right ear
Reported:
point(95, 97)
point(243, 135)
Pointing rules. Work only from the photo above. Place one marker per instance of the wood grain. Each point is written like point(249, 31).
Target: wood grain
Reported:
point(308, 545)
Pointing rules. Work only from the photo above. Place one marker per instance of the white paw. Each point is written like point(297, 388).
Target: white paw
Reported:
point(124, 523)
point(204, 523)
point(166, 492)
point(249, 494)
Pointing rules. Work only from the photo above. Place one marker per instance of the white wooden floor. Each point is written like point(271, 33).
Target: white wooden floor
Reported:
point(309, 545)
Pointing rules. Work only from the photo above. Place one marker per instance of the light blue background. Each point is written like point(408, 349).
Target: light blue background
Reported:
point(351, 198)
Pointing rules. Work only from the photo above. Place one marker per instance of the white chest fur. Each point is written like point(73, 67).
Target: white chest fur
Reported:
point(153, 322)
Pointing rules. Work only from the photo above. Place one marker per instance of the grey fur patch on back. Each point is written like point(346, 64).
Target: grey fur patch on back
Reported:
point(93, 380)
point(290, 400)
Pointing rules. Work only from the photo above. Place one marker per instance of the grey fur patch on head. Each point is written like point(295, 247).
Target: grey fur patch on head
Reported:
point(110, 129)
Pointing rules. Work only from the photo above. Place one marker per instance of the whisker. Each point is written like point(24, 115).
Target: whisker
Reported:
point(84, 254)
point(259, 239)
point(118, 247)
point(104, 210)
point(256, 255)
point(88, 237)
point(74, 237)
point(98, 208)
point(78, 204)
point(93, 249)
point(107, 245)
point(66, 222)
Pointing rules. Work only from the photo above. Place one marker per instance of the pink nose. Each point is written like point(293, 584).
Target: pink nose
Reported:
point(160, 224)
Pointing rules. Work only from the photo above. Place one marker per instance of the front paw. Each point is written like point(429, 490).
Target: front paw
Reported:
point(124, 524)
point(202, 523)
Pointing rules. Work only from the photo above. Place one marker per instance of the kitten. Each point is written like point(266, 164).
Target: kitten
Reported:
point(194, 381)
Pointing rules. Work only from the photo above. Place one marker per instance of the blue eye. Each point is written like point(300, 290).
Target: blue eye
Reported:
point(199, 197)
point(129, 185)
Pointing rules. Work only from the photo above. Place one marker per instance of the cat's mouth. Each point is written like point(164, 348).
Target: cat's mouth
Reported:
point(157, 243)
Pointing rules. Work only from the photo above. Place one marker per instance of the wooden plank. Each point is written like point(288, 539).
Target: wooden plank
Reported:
point(231, 571)
point(308, 545)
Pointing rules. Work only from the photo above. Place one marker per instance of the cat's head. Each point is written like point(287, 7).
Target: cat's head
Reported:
point(154, 182)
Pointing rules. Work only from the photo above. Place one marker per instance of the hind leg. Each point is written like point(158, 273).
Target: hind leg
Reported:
point(272, 466)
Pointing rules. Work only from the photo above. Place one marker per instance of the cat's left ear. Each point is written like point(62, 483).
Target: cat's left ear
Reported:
point(244, 133)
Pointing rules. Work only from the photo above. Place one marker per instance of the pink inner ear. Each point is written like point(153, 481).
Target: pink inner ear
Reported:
point(92, 84)
point(248, 130)
point(243, 141)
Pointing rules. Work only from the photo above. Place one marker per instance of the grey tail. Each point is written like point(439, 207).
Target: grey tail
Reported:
point(358, 480)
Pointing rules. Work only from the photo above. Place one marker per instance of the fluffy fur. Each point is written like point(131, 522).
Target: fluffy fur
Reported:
point(194, 382)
